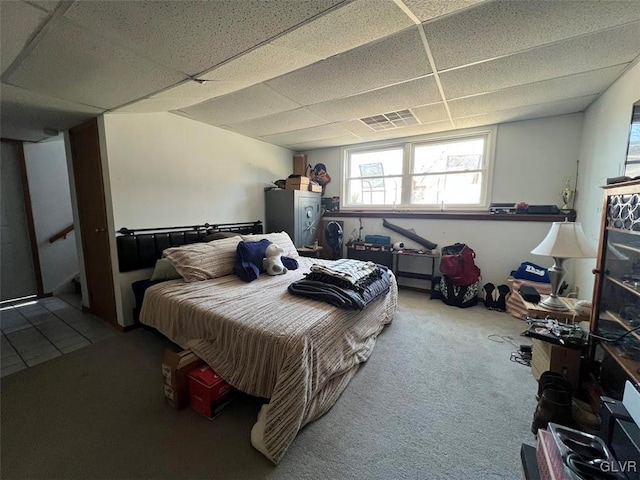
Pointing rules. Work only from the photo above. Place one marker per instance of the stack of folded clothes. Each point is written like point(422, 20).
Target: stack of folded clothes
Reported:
point(347, 283)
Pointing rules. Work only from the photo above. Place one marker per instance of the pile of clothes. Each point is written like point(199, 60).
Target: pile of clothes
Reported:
point(347, 283)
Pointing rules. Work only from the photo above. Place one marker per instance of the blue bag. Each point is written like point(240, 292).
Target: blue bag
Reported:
point(532, 272)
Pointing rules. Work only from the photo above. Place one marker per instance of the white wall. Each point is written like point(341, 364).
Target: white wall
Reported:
point(51, 204)
point(76, 220)
point(602, 155)
point(17, 272)
point(166, 170)
point(532, 160)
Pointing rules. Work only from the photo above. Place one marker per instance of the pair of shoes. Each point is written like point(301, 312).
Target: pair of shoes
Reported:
point(554, 402)
point(550, 378)
point(584, 417)
point(490, 300)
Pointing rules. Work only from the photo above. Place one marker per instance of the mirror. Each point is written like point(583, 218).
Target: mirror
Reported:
point(632, 164)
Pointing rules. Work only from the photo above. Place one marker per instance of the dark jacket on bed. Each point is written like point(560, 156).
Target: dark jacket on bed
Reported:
point(331, 290)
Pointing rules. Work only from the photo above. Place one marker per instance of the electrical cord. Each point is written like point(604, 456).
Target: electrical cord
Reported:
point(616, 339)
point(495, 337)
point(523, 358)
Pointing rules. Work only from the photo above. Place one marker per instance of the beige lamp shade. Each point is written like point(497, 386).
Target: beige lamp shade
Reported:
point(565, 240)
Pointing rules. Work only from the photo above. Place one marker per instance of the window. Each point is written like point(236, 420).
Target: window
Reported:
point(632, 165)
point(452, 172)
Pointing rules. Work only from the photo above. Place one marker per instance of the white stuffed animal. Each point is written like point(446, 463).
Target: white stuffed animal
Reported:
point(273, 261)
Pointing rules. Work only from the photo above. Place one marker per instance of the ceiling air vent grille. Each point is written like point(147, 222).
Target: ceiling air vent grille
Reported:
point(387, 121)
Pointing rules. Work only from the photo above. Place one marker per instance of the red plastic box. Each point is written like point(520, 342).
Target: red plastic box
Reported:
point(208, 391)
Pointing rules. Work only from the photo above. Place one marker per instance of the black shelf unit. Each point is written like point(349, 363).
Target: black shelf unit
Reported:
point(415, 275)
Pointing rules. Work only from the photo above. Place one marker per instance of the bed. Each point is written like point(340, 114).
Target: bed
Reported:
point(298, 353)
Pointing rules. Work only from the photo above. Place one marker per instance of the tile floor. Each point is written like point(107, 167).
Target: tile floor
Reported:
point(49, 328)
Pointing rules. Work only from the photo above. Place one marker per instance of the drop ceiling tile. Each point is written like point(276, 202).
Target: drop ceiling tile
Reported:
point(356, 127)
point(307, 135)
point(253, 102)
point(408, 131)
point(263, 63)
point(73, 64)
point(502, 27)
point(328, 142)
point(610, 47)
point(397, 97)
point(394, 59)
point(48, 5)
point(431, 113)
point(200, 92)
point(153, 105)
point(19, 22)
point(563, 107)
point(25, 113)
point(582, 84)
point(348, 27)
point(430, 9)
point(193, 36)
point(278, 123)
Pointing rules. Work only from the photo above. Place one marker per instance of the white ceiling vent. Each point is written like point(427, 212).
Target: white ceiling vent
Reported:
point(387, 121)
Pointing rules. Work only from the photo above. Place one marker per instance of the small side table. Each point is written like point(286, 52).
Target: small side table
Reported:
point(538, 310)
point(310, 252)
point(420, 276)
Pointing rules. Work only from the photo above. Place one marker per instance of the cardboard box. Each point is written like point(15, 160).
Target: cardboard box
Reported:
point(175, 370)
point(315, 188)
point(547, 356)
point(208, 392)
point(300, 164)
point(297, 183)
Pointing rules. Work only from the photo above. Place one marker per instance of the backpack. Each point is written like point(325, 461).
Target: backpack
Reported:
point(457, 263)
point(461, 276)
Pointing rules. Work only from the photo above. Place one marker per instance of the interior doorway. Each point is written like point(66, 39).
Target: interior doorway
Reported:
point(20, 272)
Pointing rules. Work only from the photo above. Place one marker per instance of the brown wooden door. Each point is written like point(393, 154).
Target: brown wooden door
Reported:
point(92, 212)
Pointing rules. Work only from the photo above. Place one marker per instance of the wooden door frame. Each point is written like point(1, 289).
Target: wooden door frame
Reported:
point(31, 229)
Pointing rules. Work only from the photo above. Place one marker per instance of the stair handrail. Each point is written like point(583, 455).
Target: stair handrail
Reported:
point(62, 233)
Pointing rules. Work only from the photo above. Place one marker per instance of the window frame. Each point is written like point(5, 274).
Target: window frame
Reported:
point(408, 145)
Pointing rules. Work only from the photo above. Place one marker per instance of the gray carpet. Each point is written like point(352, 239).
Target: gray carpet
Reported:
point(436, 400)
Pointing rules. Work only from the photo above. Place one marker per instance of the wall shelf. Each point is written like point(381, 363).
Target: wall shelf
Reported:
point(620, 283)
point(608, 315)
point(484, 216)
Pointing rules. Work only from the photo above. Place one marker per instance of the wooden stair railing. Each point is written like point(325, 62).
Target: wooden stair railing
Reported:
point(61, 234)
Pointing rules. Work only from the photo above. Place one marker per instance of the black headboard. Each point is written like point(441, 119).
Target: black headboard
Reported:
point(141, 250)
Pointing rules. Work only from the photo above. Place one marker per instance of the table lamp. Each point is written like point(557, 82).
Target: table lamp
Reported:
point(564, 240)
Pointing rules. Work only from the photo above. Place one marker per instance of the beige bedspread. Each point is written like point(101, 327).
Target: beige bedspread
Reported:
point(297, 352)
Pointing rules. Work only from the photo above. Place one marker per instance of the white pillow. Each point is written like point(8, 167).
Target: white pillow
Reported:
point(164, 270)
point(282, 239)
point(202, 261)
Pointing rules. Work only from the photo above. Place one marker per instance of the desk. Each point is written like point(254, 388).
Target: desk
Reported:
point(538, 311)
point(377, 254)
point(420, 276)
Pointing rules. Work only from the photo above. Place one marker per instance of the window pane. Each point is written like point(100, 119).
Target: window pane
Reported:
point(449, 157)
point(452, 189)
point(376, 164)
point(376, 191)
